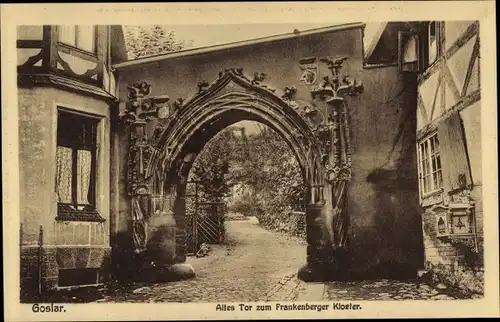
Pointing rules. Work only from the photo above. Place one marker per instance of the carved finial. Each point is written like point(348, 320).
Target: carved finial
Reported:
point(127, 117)
point(324, 82)
point(310, 112)
point(178, 103)
point(202, 85)
point(239, 71)
point(334, 88)
point(338, 61)
point(158, 131)
point(258, 78)
point(350, 87)
point(334, 64)
point(327, 61)
point(289, 93)
point(138, 90)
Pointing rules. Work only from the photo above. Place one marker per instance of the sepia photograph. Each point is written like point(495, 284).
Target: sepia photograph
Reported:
point(257, 166)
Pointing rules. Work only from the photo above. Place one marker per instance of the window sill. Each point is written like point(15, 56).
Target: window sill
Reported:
point(432, 194)
point(77, 216)
point(431, 198)
point(65, 213)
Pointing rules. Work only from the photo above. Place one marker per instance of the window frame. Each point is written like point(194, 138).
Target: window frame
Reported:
point(75, 211)
point(75, 46)
point(413, 66)
point(438, 41)
point(432, 174)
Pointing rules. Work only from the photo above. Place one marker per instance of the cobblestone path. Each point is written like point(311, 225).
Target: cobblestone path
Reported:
point(256, 265)
point(260, 265)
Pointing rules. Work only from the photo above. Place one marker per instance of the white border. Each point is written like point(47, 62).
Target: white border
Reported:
point(232, 13)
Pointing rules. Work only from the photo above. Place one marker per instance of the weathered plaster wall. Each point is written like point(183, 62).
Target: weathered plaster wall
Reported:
point(383, 198)
point(38, 141)
point(35, 168)
point(37, 155)
point(386, 222)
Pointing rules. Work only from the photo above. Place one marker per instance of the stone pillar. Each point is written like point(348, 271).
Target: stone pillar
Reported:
point(314, 269)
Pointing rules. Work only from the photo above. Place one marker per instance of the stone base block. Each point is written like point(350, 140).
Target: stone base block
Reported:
point(182, 271)
point(166, 273)
point(311, 274)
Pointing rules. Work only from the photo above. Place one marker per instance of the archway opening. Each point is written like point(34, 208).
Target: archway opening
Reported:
point(246, 189)
point(161, 169)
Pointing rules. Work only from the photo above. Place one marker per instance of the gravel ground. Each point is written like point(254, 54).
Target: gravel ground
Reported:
point(260, 265)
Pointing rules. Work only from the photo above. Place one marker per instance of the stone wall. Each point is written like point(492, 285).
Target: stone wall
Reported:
point(456, 263)
point(385, 220)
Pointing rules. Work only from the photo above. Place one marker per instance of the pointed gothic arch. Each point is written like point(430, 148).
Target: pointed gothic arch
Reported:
point(165, 139)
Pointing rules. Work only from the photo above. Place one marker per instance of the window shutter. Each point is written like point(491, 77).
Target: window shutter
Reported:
point(455, 166)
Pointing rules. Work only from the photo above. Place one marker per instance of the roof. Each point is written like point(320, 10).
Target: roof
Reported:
point(208, 49)
point(376, 38)
point(383, 48)
point(66, 83)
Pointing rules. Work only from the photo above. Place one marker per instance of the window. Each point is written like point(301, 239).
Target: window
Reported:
point(433, 42)
point(409, 52)
point(82, 37)
point(431, 178)
point(76, 167)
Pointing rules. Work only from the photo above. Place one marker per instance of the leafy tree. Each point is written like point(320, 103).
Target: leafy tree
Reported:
point(152, 40)
point(264, 164)
point(211, 167)
point(275, 175)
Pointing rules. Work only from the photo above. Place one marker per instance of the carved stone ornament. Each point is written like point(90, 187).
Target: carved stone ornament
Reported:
point(158, 146)
point(258, 78)
point(178, 104)
point(461, 197)
point(202, 85)
point(289, 93)
point(334, 133)
point(442, 217)
point(138, 90)
point(338, 173)
point(455, 222)
point(310, 70)
point(334, 88)
point(161, 106)
point(139, 110)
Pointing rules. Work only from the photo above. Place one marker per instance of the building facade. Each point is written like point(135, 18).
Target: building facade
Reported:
point(446, 57)
point(66, 98)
